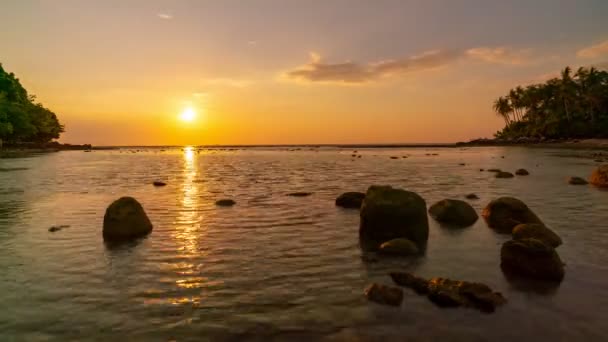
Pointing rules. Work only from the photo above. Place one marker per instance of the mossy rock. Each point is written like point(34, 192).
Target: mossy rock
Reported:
point(531, 258)
point(388, 213)
point(399, 246)
point(125, 219)
point(504, 213)
point(453, 212)
point(536, 231)
point(599, 177)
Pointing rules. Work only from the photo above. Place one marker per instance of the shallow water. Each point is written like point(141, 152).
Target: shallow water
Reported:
point(281, 267)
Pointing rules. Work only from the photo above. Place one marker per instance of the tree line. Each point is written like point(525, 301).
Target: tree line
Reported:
point(569, 106)
point(22, 119)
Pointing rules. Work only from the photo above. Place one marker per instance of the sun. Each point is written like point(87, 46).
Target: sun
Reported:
point(188, 115)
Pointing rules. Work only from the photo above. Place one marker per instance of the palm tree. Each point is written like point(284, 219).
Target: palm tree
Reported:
point(567, 88)
point(502, 108)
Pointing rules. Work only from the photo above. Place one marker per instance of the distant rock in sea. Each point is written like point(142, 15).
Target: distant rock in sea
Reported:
point(599, 177)
point(503, 174)
point(225, 203)
point(522, 172)
point(299, 194)
point(159, 183)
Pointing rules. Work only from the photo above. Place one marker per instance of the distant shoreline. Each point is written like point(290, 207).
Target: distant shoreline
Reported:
point(590, 144)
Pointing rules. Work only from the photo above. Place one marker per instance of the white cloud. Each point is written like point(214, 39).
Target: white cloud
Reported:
point(499, 55)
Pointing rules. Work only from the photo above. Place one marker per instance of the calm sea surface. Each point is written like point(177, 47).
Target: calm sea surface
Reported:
point(275, 267)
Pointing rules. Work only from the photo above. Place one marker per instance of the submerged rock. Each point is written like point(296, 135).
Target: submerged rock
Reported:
point(350, 200)
point(452, 293)
point(522, 172)
point(399, 246)
point(577, 181)
point(383, 294)
point(420, 285)
point(453, 212)
point(125, 219)
point(299, 194)
point(536, 231)
point(504, 213)
point(394, 157)
point(531, 258)
point(388, 213)
point(471, 196)
point(504, 174)
point(159, 183)
point(599, 177)
point(225, 203)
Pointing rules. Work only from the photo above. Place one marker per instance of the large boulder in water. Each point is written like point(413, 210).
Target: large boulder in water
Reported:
point(388, 213)
point(350, 200)
point(453, 212)
point(536, 231)
point(504, 213)
point(531, 258)
point(599, 177)
point(125, 219)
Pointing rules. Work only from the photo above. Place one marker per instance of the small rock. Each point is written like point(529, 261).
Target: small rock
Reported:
point(504, 213)
point(577, 181)
point(125, 219)
point(383, 294)
point(522, 172)
point(58, 228)
point(159, 183)
point(481, 170)
point(471, 196)
point(599, 177)
point(462, 164)
point(225, 203)
point(531, 258)
point(503, 174)
point(394, 157)
point(399, 246)
point(404, 157)
point(536, 231)
point(299, 194)
point(453, 212)
point(350, 200)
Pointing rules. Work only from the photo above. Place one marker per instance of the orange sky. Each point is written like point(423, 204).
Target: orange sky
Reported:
point(265, 72)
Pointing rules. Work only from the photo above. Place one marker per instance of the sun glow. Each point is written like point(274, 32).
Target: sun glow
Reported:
point(188, 115)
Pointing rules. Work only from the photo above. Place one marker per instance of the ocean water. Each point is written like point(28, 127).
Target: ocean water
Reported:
point(275, 267)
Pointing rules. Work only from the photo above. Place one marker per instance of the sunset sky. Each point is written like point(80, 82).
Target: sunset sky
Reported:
point(123, 72)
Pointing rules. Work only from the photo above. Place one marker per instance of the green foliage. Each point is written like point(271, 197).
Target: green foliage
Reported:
point(572, 106)
point(21, 119)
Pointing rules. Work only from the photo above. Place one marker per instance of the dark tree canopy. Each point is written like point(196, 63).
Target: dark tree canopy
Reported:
point(569, 106)
point(21, 118)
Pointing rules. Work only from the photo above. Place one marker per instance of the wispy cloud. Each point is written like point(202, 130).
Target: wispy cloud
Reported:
point(165, 16)
point(499, 55)
point(316, 70)
point(252, 43)
point(593, 51)
point(353, 73)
